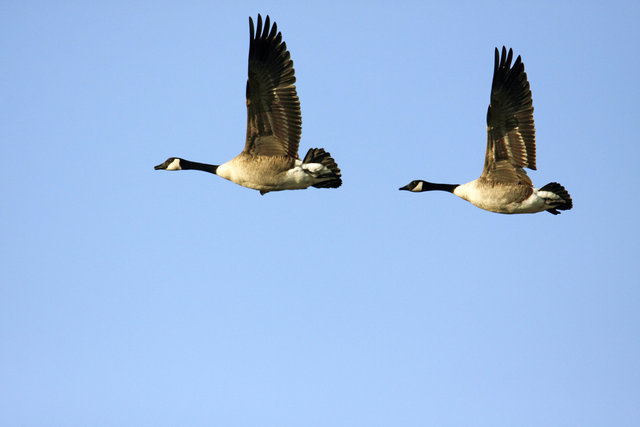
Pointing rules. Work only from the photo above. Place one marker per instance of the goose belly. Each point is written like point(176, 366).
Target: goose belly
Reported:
point(266, 173)
point(500, 198)
point(532, 204)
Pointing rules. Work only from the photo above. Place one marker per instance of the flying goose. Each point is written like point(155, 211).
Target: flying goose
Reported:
point(269, 161)
point(504, 186)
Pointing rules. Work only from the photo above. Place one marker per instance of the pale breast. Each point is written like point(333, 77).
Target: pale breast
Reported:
point(494, 197)
point(267, 173)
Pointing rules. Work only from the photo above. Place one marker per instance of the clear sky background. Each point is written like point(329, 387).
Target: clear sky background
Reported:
point(147, 298)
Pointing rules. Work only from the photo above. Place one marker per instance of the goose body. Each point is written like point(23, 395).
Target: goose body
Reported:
point(504, 186)
point(269, 161)
point(269, 173)
point(507, 199)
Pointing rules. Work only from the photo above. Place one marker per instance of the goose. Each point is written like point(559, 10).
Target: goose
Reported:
point(504, 186)
point(269, 161)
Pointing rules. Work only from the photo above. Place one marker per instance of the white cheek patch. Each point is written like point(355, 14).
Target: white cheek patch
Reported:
point(418, 187)
point(174, 166)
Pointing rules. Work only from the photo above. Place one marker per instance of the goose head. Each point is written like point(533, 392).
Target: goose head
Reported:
point(171, 164)
point(416, 185)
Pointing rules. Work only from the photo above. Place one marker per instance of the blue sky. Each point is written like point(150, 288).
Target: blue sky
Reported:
point(136, 297)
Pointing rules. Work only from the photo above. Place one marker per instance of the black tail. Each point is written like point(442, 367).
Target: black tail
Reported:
point(564, 203)
point(332, 179)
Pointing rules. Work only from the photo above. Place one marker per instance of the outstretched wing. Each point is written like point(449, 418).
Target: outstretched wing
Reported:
point(511, 134)
point(273, 109)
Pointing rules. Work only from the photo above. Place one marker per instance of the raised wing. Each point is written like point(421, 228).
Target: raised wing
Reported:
point(511, 134)
point(273, 108)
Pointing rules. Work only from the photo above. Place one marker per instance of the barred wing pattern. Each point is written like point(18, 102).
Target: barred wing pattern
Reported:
point(511, 140)
point(274, 122)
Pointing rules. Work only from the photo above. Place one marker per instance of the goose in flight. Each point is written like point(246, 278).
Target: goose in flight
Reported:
point(504, 186)
point(269, 161)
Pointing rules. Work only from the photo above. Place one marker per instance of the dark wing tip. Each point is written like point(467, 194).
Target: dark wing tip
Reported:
point(267, 26)
point(263, 29)
point(503, 61)
point(502, 68)
point(260, 29)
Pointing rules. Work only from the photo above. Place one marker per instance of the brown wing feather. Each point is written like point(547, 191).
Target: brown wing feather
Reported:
point(511, 142)
point(273, 108)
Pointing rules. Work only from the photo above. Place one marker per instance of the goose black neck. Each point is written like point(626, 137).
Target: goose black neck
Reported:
point(186, 164)
point(428, 186)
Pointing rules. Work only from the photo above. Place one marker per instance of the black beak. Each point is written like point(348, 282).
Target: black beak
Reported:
point(406, 187)
point(161, 166)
